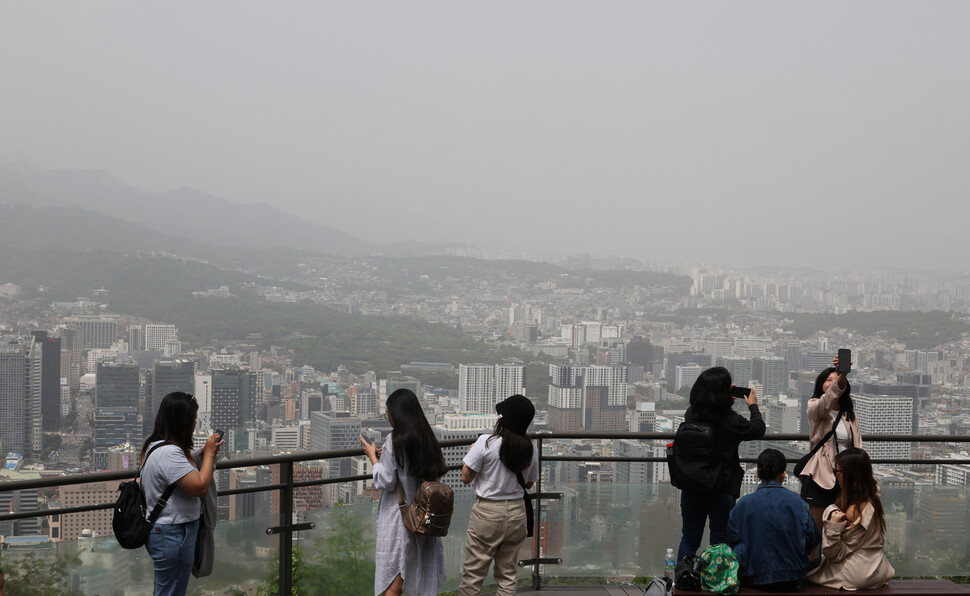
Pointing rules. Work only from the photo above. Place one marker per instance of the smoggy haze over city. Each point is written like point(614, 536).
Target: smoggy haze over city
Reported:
point(829, 135)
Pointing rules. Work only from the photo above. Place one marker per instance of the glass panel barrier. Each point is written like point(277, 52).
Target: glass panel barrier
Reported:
point(605, 529)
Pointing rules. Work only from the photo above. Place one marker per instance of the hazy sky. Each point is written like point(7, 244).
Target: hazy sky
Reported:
point(821, 133)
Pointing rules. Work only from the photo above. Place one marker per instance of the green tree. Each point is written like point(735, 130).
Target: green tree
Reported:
point(343, 563)
point(38, 576)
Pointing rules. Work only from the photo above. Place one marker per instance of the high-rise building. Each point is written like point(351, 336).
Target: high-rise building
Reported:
point(331, 431)
point(476, 387)
point(509, 380)
point(685, 375)
point(136, 338)
point(565, 397)
point(682, 359)
point(885, 415)
point(50, 381)
point(72, 352)
point(587, 398)
point(526, 332)
point(117, 385)
point(114, 426)
point(116, 419)
point(783, 417)
point(613, 378)
point(640, 351)
point(772, 372)
point(21, 426)
point(817, 360)
point(167, 376)
point(156, 335)
point(233, 398)
point(97, 331)
point(908, 388)
point(741, 369)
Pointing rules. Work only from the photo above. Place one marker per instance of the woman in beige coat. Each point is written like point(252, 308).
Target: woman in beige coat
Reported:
point(832, 395)
point(854, 530)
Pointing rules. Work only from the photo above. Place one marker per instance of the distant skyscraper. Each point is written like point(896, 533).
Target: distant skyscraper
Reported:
point(509, 380)
point(674, 360)
point(21, 429)
point(333, 431)
point(476, 387)
point(156, 335)
point(136, 338)
point(526, 332)
point(640, 351)
point(908, 386)
point(117, 385)
point(71, 346)
point(773, 373)
point(566, 397)
point(885, 415)
point(116, 421)
point(233, 395)
point(113, 426)
point(50, 381)
point(817, 361)
point(741, 369)
point(96, 331)
point(587, 398)
point(685, 375)
point(168, 375)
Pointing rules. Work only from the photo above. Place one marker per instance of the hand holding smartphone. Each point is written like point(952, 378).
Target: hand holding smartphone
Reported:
point(740, 392)
point(845, 361)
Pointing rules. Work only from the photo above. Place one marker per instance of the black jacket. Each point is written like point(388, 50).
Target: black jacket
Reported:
point(729, 431)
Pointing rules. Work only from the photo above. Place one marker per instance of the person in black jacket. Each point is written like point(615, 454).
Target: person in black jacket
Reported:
point(711, 401)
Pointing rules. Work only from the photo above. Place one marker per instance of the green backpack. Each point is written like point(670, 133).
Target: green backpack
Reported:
point(718, 568)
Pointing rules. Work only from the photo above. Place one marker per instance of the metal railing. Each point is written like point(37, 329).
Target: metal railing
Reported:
point(287, 484)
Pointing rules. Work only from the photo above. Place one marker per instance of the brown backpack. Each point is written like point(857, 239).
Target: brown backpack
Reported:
point(430, 511)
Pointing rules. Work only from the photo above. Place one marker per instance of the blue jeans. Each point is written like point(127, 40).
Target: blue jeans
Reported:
point(695, 509)
point(172, 548)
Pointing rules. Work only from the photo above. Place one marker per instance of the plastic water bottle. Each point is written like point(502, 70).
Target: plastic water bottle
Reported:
point(670, 563)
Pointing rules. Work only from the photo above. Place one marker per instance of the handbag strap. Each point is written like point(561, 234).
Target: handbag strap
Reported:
point(163, 500)
point(401, 500)
point(529, 514)
point(828, 435)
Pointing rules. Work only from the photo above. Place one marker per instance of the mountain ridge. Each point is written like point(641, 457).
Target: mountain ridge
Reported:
point(190, 213)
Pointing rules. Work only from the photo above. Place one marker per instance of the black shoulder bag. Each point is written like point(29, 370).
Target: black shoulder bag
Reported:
point(800, 466)
point(130, 527)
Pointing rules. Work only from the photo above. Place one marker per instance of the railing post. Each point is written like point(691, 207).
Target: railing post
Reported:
point(536, 577)
point(286, 529)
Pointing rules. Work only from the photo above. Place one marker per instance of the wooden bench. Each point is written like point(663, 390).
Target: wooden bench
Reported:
point(896, 587)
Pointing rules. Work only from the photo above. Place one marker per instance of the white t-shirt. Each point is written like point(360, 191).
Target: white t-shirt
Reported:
point(841, 433)
point(493, 479)
point(167, 465)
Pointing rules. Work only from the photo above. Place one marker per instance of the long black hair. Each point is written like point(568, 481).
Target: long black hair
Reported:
point(515, 453)
point(413, 440)
point(710, 396)
point(858, 484)
point(845, 400)
point(174, 422)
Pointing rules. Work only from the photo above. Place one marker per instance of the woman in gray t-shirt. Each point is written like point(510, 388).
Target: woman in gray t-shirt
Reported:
point(171, 543)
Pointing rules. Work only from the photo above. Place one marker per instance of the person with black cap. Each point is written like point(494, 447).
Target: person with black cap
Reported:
point(502, 466)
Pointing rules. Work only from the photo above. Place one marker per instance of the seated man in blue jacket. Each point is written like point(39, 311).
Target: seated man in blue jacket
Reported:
point(772, 531)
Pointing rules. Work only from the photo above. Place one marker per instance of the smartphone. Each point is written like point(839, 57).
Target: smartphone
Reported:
point(845, 360)
point(740, 392)
point(221, 433)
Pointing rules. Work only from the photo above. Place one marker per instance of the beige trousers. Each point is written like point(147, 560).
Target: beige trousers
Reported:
point(495, 532)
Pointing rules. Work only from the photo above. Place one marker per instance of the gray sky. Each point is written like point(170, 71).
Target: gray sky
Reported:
point(822, 133)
